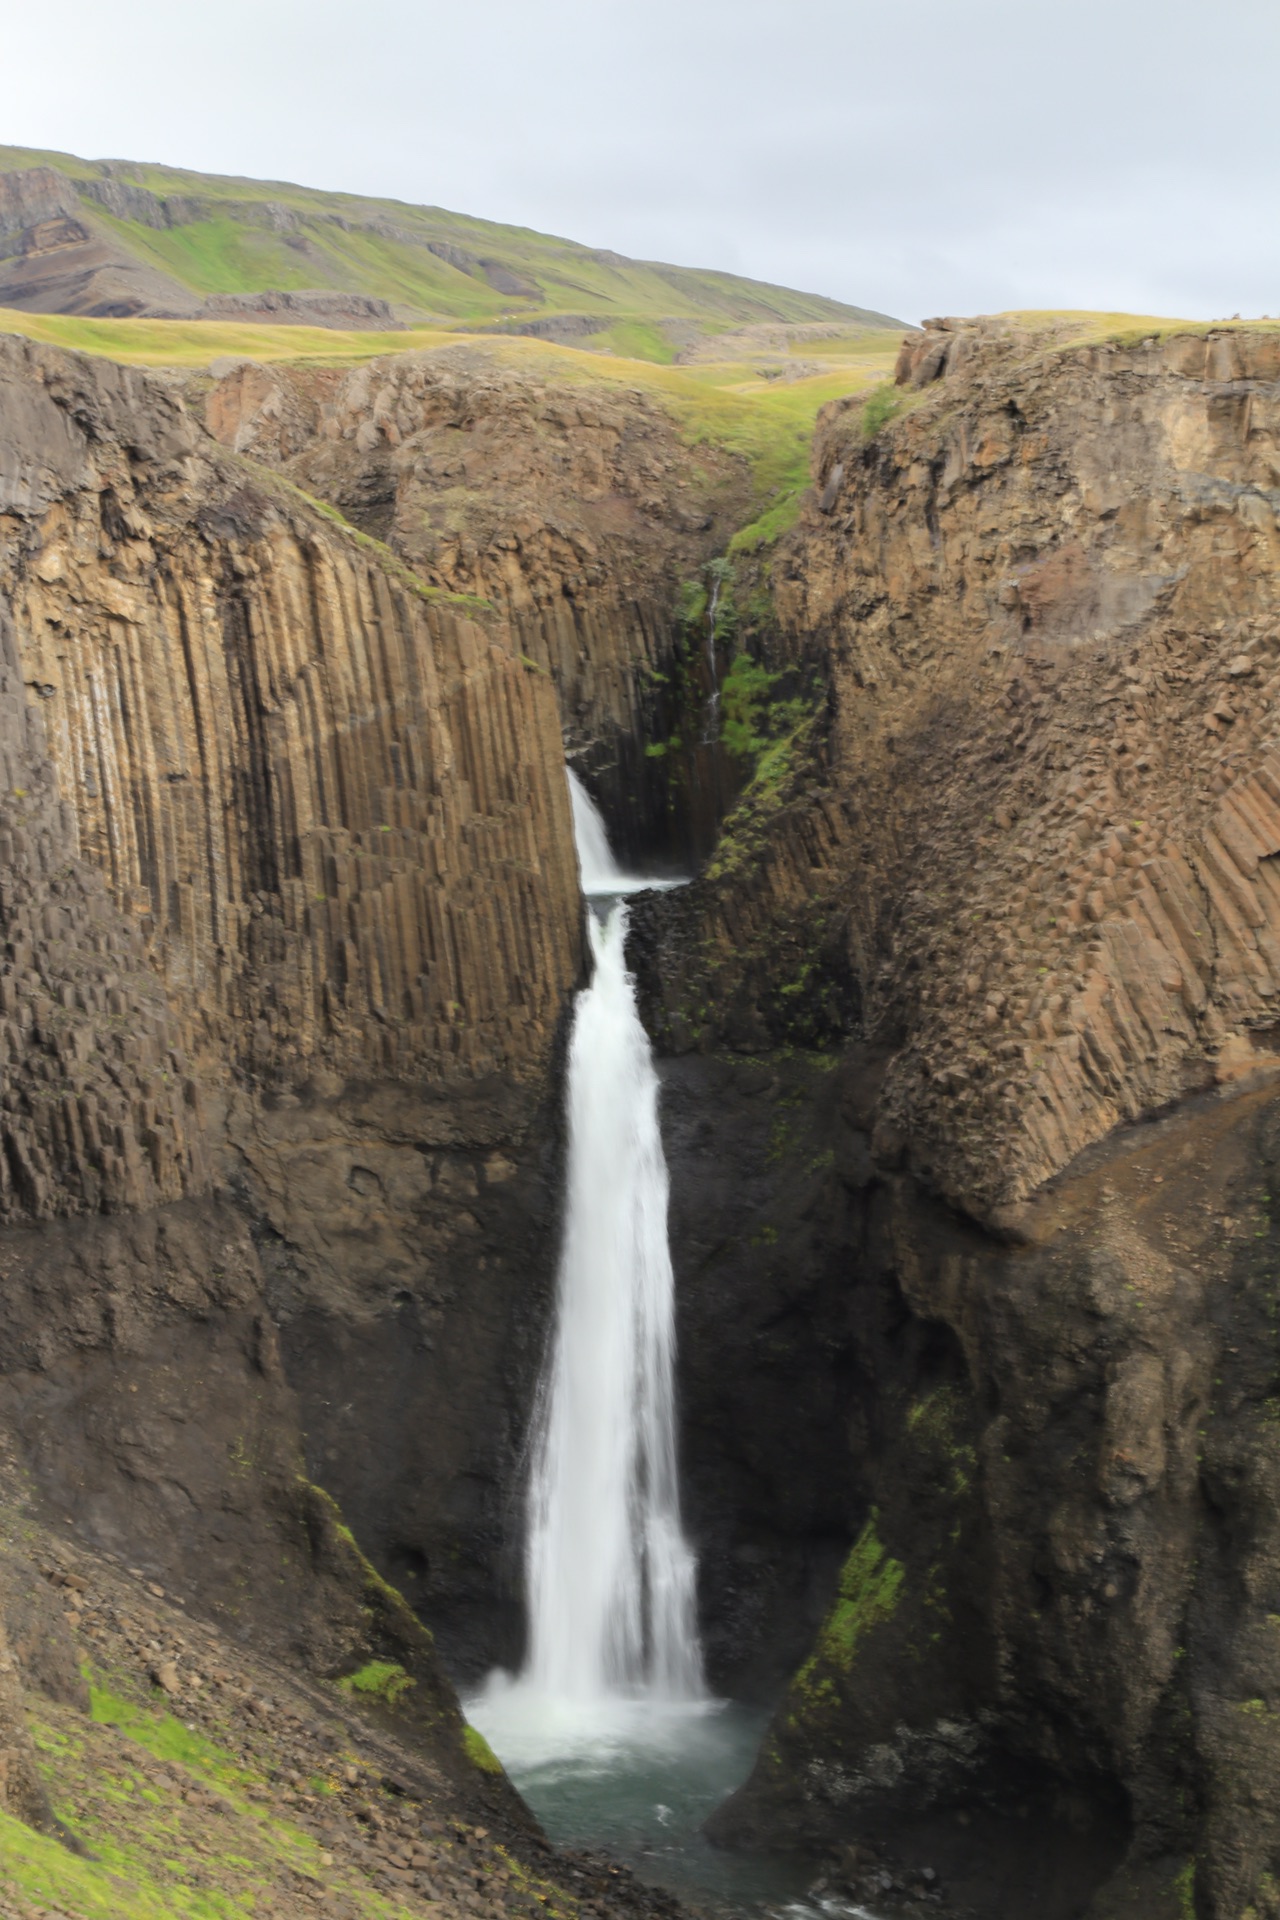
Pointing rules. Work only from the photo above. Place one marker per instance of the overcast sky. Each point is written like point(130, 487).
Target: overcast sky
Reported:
point(938, 156)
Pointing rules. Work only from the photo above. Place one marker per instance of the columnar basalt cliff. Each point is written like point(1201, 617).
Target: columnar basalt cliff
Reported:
point(290, 919)
point(1047, 603)
point(970, 1037)
point(573, 504)
point(1023, 861)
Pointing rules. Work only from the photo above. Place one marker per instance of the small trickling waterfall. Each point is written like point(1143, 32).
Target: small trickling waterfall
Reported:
point(712, 730)
point(610, 1576)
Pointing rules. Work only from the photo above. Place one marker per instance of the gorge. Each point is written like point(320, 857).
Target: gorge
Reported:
point(965, 1049)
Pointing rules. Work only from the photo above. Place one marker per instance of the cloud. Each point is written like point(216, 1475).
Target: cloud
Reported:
point(952, 157)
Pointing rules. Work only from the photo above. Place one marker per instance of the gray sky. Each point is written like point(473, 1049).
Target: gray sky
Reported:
point(942, 156)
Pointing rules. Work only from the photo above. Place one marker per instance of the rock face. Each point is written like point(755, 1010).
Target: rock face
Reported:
point(1022, 865)
point(299, 772)
point(55, 258)
point(576, 507)
point(1046, 599)
point(290, 919)
point(969, 1036)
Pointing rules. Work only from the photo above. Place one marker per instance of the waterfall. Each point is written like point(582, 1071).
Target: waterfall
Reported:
point(610, 1576)
point(712, 730)
point(597, 868)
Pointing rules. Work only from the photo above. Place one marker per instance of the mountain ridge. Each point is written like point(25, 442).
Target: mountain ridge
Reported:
point(120, 238)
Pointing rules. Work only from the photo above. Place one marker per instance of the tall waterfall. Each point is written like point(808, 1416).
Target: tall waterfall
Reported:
point(610, 1575)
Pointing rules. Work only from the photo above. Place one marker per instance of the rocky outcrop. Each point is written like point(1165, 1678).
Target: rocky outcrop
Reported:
point(315, 308)
point(300, 773)
point(575, 506)
point(56, 258)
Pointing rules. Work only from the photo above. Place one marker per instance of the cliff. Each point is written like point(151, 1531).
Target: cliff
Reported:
point(289, 910)
point(969, 1054)
point(1044, 603)
point(1012, 879)
point(575, 505)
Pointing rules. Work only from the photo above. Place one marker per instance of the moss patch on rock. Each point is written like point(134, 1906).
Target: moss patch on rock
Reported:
point(868, 1594)
point(384, 1680)
point(481, 1753)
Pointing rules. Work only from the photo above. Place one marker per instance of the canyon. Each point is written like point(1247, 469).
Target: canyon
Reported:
point(964, 1025)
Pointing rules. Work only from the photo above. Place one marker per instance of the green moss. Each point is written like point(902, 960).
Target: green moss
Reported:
point(109, 1887)
point(1184, 1887)
point(389, 561)
point(384, 1680)
point(778, 518)
point(163, 1735)
point(869, 1591)
point(140, 1863)
point(692, 602)
point(393, 1601)
point(934, 1423)
point(480, 1753)
point(744, 706)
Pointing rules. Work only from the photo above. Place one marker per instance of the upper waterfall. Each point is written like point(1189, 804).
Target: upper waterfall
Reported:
point(599, 871)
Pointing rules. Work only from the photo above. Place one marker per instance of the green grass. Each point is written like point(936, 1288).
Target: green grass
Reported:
point(1081, 327)
point(140, 1863)
point(778, 518)
point(163, 1736)
point(872, 343)
point(214, 256)
point(724, 404)
point(382, 247)
point(637, 340)
point(109, 1887)
point(882, 404)
point(194, 343)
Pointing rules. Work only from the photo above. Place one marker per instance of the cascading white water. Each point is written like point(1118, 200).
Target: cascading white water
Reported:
point(610, 1575)
point(597, 868)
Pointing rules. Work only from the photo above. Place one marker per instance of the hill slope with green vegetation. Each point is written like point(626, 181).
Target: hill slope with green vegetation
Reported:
point(113, 238)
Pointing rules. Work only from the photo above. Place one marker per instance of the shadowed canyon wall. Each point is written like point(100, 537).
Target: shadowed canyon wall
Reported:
point(1023, 861)
point(290, 919)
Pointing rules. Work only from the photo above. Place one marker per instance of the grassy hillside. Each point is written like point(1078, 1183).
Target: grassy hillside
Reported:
point(213, 235)
point(761, 404)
